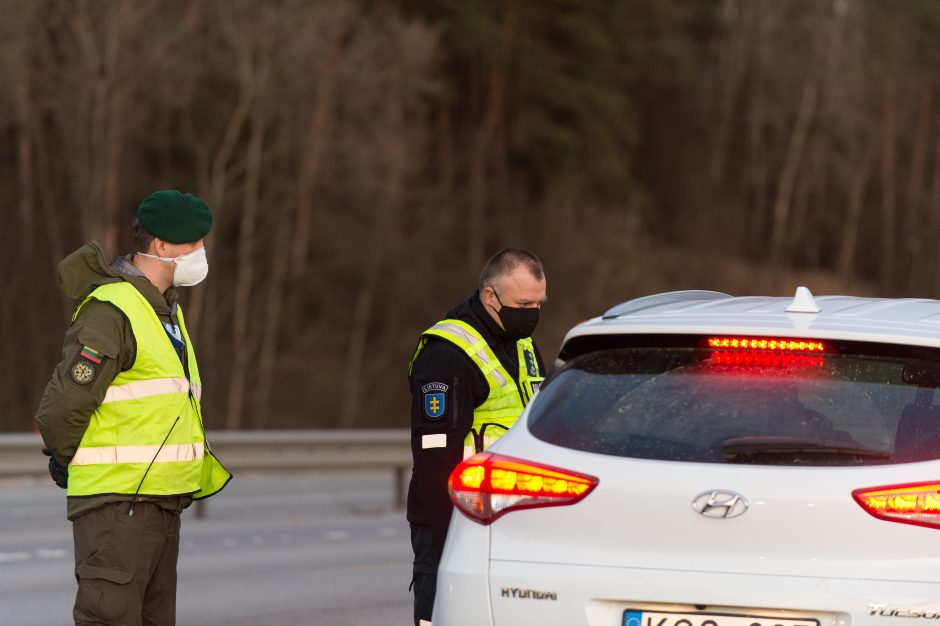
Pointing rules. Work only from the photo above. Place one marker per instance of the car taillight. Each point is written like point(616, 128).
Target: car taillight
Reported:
point(488, 485)
point(915, 503)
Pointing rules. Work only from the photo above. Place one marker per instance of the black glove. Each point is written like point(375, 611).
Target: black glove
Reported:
point(59, 474)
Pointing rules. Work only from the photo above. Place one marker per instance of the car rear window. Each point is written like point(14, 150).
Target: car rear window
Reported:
point(856, 406)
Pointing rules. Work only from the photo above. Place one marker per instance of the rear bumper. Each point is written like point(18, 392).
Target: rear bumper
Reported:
point(551, 594)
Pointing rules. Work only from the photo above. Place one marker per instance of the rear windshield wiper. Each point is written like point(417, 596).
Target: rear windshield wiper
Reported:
point(740, 448)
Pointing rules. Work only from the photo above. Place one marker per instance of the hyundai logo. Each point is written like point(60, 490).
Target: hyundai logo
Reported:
point(720, 503)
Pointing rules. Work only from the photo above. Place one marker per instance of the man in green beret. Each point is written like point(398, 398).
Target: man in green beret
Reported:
point(121, 418)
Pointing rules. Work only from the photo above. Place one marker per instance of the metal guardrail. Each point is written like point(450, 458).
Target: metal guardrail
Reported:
point(261, 450)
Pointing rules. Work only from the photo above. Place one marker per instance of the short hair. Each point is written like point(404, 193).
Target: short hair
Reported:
point(505, 262)
point(142, 238)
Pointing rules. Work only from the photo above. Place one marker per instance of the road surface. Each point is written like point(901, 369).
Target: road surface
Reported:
point(272, 549)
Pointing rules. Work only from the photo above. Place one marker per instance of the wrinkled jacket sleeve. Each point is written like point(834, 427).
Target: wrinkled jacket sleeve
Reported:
point(72, 395)
point(437, 440)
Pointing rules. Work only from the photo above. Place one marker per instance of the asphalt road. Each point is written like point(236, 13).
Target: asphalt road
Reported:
point(300, 549)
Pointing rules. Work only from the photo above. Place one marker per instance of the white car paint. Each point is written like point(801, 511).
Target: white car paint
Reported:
point(804, 549)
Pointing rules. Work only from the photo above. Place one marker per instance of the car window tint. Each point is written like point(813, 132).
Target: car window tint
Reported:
point(693, 404)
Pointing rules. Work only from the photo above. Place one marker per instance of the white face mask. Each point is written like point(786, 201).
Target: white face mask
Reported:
point(191, 268)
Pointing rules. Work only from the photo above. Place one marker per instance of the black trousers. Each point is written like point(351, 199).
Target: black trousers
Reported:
point(424, 573)
point(126, 565)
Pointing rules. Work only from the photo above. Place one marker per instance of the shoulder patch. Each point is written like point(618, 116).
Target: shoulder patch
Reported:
point(435, 399)
point(83, 371)
point(86, 365)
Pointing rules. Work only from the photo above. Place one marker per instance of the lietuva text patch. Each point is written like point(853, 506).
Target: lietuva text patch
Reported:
point(435, 399)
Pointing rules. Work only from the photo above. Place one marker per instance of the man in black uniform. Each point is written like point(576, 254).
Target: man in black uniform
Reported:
point(471, 376)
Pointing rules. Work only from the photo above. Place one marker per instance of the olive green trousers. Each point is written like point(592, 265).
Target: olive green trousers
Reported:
point(125, 565)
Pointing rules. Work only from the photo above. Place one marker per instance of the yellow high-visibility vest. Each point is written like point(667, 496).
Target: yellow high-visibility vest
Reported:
point(507, 396)
point(147, 436)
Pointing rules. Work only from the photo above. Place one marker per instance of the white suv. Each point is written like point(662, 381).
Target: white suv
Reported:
point(699, 459)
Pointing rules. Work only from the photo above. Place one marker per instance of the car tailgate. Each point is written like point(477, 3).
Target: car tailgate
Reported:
point(799, 521)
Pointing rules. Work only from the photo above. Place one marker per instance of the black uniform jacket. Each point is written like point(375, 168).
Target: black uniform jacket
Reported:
point(442, 364)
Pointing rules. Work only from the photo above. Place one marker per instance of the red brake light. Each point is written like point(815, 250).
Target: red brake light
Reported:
point(766, 352)
point(747, 358)
point(915, 503)
point(487, 485)
point(766, 343)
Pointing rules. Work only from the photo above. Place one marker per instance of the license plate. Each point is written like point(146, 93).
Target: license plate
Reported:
point(634, 617)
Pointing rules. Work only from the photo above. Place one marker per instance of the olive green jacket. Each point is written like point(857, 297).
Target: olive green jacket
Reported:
point(67, 403)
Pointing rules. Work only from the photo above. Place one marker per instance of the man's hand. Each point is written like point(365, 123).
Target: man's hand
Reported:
point(59, 473)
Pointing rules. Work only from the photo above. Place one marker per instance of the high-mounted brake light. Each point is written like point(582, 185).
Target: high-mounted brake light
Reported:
point(749, 358)
point(487, 485)
point(766, 343)
point(915, 503)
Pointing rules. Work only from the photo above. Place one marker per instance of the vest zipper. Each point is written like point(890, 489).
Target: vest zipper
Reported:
point(130, 511)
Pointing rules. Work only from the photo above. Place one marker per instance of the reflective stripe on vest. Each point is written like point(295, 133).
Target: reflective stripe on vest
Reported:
point(138, 454)
point(471, 342)
point(505, 402)
point(148, 388)
point(147, 436)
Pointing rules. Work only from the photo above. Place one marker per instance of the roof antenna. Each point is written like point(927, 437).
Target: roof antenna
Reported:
point(803, 302)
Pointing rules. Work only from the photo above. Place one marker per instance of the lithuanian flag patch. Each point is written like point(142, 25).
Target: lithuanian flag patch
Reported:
point(91, 354)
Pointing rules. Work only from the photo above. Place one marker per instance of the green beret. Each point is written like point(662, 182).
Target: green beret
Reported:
point(175, 217)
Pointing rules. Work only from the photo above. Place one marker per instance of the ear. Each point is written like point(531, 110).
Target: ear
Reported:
point(489, 300)
point(158, 247)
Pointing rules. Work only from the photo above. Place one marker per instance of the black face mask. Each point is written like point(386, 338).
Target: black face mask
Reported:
point(519, 322)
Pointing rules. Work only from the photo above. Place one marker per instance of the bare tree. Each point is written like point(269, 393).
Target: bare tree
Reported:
point(244, 339)
point(888, 175)
point(914, 218)
point(495, 67)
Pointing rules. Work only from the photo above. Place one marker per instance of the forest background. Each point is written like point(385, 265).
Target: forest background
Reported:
point(363, 159)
